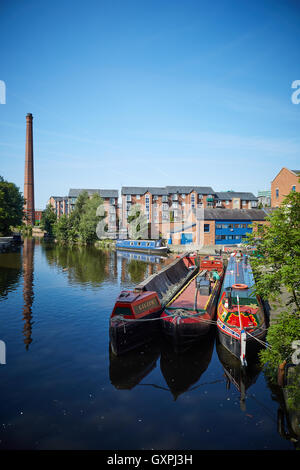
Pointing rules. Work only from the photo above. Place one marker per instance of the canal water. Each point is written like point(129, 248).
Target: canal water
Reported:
point(62, 389)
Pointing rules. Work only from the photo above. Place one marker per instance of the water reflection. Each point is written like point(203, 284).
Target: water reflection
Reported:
point(241, 378)
point(182, 370)
point(10, 272)
point(83, 264)
point(71, 360)
point(28, 293)
point(93, 266)
point(125, 372)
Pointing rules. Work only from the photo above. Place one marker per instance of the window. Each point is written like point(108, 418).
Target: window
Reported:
point(147, 202)
point(277, 193)
point(165, 207)
point(128, 198)
point(244, 203)
point(293, 188)
point(183, 196)
point(138, 196)
point(200, 196)
point(206, 227)
point(175, 205)
point(193, 200)
point(227, 202)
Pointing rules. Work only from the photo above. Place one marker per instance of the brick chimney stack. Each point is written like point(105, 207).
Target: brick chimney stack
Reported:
point(29, 174)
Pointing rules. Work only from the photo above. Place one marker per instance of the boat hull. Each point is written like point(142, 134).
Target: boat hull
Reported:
point(128, 335)
point(232, 342)
point(182, 334)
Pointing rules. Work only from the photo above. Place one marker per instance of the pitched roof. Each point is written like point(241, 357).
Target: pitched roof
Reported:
point(234, 214)
point(228, 195)
point(166, 190)
point(142, 190)
point(105, 193)
point(189, 189)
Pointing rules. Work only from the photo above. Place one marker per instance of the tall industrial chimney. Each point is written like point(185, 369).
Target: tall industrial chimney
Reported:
point(29, 175)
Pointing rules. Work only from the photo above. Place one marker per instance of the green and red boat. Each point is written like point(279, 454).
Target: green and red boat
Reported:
point(240, 315)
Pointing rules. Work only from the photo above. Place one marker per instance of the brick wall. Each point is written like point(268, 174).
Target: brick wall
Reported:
point(282, 185)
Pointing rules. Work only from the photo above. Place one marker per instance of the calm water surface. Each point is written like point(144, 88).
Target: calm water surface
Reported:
point(61, 389)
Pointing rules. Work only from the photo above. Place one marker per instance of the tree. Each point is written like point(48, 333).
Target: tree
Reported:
point(88, 219)
point(48, 220)
point(279, 248)
point(11, 206)
point(61, 228)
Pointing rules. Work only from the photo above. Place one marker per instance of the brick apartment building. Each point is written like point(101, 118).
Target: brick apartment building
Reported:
point(283, 183)
point(166, 207)
point(174, 198)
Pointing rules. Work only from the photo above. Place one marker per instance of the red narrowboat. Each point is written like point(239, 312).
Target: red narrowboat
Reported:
point(135, 318)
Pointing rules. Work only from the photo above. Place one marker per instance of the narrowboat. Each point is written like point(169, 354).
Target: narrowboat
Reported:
point(143, 246)
point(240, 315)
point(190, 315)
point(135, 318)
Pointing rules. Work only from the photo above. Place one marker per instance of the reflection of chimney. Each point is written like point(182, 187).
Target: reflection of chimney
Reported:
point(28, 293)
point(29, 177)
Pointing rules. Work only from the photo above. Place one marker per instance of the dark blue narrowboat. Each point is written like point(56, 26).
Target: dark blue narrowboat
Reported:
point(144, 246)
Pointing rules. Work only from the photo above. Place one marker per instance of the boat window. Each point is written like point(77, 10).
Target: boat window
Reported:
point(131, 243)
point(122, 311)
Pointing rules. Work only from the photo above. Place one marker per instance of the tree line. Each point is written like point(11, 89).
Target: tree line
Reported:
point(80, 226)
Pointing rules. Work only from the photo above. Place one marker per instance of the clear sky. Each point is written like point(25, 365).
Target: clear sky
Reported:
point(149, 93)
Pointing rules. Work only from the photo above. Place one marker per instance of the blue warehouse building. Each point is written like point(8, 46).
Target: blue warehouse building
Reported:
point(230, 226)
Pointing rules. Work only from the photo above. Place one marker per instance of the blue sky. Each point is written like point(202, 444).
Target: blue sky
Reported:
point(149, 93)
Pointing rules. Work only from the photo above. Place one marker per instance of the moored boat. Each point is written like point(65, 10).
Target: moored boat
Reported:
point(142, 246)
point(190, 315)
point(136, 314)
point(240, 314)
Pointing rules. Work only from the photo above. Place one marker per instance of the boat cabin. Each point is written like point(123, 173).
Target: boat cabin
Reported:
point(133, 305)
point(140, 244)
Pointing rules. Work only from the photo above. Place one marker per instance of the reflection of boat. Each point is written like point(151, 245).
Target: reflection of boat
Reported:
point(241, 320)
point(241, 377)
point(190, 316)
point(183, 370)
point(130, 255)
point(135, 316)
point(145, 246)
point(128, 370)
